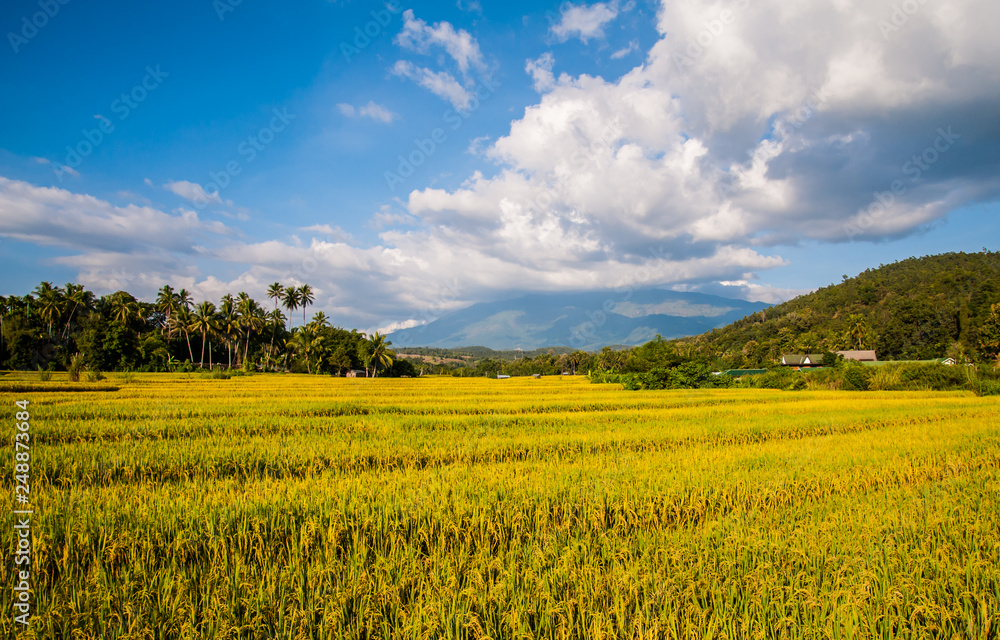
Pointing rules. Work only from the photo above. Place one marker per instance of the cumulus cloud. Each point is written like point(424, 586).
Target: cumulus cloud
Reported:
point(584, 21)
point(540, 70)
point(109, 245)
point(748, 127)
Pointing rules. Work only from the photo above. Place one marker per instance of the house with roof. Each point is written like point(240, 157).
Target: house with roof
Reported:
point(802, 360)
point(859, 356)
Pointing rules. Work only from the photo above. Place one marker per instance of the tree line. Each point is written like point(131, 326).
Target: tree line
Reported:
point(68, 328)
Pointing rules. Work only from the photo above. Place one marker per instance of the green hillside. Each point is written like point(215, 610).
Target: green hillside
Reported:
point(919, 308)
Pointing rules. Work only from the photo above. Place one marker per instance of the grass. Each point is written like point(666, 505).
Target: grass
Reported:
point(305, 507)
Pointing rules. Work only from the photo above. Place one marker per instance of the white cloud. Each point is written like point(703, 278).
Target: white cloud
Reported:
point(540, 71)
point(472, 6)
point(378, 113)
point(372, 110)
point(195, 193)
point(584, 21)
point(110, 245)
point(440, 83)
point(59, 169)
point(621, 53)
point(459, 44)
point(689, 171)
point(332, 233)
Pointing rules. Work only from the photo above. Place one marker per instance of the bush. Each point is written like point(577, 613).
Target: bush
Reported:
point(857, 377)
point(988, 388)
point(798, 384)
point(75, 367)
point(215, 374)
point(773, 379)
point(888, 377)
point(44, 374)
point(94, 375)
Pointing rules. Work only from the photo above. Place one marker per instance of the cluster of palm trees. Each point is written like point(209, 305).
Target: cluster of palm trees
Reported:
point(249, 332)
point(291, 298)
point(233, 322)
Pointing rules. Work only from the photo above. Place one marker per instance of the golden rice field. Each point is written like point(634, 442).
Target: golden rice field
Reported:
point(315, 507)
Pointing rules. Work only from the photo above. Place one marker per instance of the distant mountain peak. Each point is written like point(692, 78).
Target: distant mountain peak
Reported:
point(586, 320)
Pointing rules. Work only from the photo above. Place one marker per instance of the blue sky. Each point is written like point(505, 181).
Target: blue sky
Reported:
point(730, 147)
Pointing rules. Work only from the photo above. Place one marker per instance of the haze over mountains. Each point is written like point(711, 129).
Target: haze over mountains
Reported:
point(583, 320)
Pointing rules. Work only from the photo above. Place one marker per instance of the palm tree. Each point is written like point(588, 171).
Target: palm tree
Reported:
point(204, 322)
point(251, 321)
point(166, 303)
point(50, 303)
point(228, 323)
point(320, 319)
point(182, 321)
point(79, 296)
point(306, 342)
point(184, 299)
point(276, 319)
point(275, 292)
point(4, 310)
point(290, 300)
point(306, 297)
point(378, 349)
point(857, 330)
point(124, 308)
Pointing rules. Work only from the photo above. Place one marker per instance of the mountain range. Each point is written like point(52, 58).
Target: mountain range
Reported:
point(582, 320)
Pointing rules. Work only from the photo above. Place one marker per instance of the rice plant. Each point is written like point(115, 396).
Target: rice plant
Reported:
point(300, 507)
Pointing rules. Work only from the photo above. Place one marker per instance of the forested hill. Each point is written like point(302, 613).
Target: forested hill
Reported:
point(919, 308)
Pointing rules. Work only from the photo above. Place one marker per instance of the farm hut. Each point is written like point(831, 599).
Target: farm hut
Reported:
point(860, 356)
point(357, 373)
point(802, 360)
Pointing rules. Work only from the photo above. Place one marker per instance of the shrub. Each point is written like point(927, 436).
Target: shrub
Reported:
point(798, 384)
point(44, 374)
point(75, 367)
point(886, 378)
point(94, 375)
point(857, 377)
point(215, 374)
